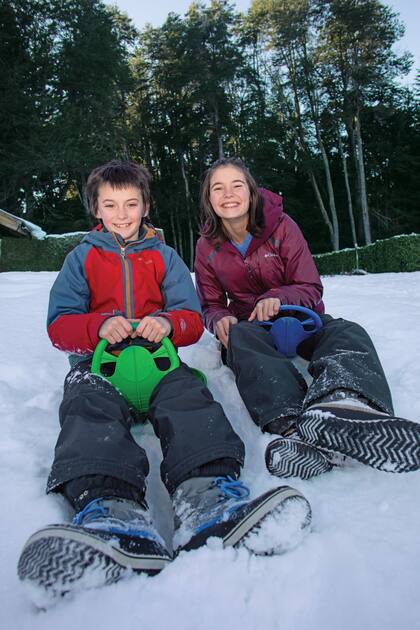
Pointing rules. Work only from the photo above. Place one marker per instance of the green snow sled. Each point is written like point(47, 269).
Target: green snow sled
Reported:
point(137, 368)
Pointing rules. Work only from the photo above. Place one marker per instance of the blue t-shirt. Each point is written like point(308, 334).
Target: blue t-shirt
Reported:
point(243, 247)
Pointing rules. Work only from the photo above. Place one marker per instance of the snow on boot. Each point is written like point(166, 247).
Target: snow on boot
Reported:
point(206, 506)
point(354, 429)
point(292, 457)
point(108, 540)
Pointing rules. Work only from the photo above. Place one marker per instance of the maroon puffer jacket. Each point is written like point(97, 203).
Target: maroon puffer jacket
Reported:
point(277, 264)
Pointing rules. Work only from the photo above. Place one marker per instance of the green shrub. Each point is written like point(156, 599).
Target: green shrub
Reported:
point(399, 253)
point(48, 254)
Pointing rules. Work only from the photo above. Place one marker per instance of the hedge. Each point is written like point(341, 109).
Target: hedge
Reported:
point(48, 254)
point(399, 253)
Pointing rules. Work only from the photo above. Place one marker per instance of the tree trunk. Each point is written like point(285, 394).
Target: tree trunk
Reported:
point(188, 208)
point(348, 191)
point(362, 181)
point(333, 234)
point(191, 239)
point(174, 234)
point(217, 129)
point(331, 198)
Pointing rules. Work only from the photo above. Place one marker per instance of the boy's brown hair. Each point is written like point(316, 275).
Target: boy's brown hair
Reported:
point(119, 174)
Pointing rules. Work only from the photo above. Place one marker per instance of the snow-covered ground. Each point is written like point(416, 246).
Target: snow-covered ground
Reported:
point(358, 568)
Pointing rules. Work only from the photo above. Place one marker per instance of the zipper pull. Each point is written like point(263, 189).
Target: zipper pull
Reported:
point(123, 252)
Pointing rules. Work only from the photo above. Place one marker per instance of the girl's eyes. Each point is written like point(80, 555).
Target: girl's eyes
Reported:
point(219, 188)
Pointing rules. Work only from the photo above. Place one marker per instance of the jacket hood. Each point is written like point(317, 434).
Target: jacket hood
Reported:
point(99, 236)
point(273, 214)
point(272, 208)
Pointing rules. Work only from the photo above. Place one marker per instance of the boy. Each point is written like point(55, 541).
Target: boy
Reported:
point(122, 273)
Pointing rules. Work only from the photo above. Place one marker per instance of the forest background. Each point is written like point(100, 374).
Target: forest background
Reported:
point(307, 92)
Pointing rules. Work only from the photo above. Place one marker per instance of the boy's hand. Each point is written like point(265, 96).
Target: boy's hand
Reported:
point(222, 328)
point(115, 329)
point(265, 309)
point(153, 328)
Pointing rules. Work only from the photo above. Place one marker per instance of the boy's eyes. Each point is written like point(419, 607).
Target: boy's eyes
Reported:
point(132, 204)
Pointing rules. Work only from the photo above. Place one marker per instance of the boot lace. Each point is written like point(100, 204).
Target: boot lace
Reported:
point(100, 516)
point(231, 487)
point(92, 511)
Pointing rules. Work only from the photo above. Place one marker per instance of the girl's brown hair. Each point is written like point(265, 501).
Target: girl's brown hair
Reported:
point(211, 225)
point(119, 174)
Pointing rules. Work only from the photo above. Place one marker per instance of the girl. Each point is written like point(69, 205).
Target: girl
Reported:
point(250, 259)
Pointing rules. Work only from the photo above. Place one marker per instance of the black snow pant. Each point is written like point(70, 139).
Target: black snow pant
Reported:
point(341, 356)
point(96, 453)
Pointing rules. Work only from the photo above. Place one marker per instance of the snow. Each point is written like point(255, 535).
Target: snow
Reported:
point(357, 568)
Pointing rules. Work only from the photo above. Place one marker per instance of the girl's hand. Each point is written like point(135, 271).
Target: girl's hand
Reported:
point(153, 328)
point(115, 329)
point(222, 328)
point(265, 309)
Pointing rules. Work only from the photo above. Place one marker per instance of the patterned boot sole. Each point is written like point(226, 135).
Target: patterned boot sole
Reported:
point(373, 438)
point(289, 457)
point(60, 560)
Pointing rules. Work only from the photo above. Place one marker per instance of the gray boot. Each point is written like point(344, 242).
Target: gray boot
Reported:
point(106, 541)
point(220, 507)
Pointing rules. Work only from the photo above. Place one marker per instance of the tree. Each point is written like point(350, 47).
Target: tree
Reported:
point(356, 48)
point(71, 62)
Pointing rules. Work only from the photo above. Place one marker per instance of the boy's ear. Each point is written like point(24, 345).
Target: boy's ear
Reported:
point(146, 210)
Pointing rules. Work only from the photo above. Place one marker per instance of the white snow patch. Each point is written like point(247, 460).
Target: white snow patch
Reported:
point(357, 568)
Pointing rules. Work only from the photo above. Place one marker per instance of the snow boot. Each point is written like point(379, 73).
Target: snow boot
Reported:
point(292, 457)
point(349, 426)
point(207, 506)
point(107, 540)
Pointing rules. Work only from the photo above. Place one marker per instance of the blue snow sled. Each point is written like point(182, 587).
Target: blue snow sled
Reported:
point(288, 332)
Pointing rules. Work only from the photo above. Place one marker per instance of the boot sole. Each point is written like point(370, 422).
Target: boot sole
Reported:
point(62, 559)
point(387, 443)
point(285, 457)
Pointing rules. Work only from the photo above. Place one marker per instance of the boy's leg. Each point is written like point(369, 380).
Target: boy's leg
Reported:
point(271, 387)
point(194, 432)
point(101, 471)
point(202, 456)
point(95, 454)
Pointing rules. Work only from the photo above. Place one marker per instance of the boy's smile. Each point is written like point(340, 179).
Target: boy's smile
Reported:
point(121, 210)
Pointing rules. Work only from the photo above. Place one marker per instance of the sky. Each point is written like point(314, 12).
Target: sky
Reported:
point(155, 13)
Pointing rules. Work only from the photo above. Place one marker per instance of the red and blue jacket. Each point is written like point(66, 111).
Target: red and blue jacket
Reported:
point(277, 264)
point(104, 276)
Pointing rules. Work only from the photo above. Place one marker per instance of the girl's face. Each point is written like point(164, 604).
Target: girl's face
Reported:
point(229, 193)
point(121, 210)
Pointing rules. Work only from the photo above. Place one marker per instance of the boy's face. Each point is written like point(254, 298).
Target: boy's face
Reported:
point(121, 210)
